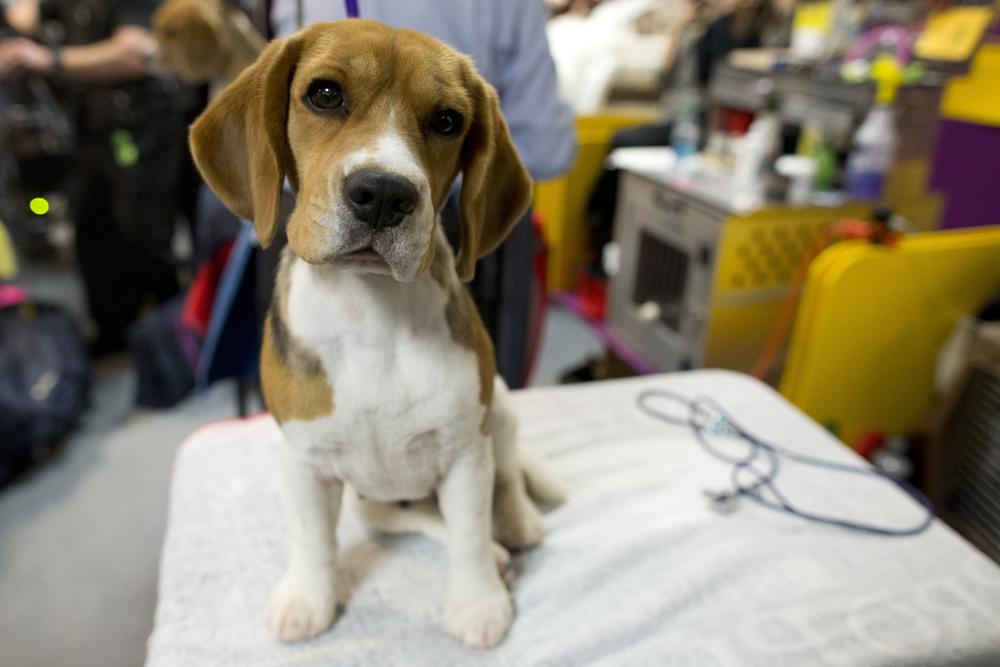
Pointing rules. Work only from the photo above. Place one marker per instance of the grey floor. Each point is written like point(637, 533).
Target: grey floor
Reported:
point(80, 537)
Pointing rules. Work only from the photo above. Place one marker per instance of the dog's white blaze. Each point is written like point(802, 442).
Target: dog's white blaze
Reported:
point(389, 152)
point(406, 397)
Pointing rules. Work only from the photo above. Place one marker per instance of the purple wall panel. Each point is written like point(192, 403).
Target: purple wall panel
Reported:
point(967, 171)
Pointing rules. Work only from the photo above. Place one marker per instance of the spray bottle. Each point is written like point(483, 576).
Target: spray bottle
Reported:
point(874, 145)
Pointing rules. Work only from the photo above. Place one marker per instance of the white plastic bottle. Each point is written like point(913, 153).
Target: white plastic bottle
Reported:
point(872, 155)
point(874, 146)
point(756, 153)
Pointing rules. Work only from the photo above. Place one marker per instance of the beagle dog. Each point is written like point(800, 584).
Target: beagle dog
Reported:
point(374, 359)
point(205, 41)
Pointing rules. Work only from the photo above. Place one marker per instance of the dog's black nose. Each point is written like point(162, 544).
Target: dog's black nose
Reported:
point(378, 198)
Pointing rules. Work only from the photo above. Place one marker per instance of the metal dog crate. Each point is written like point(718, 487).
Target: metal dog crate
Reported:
point(701, 285)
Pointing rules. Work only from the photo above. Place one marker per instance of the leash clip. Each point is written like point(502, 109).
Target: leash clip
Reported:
point(722, 502)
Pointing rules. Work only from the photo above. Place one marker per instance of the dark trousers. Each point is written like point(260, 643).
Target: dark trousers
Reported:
point(502, 292)
point(604, 198)
point(124, 216)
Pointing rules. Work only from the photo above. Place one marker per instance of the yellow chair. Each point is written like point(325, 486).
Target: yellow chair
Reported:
point(872, 321)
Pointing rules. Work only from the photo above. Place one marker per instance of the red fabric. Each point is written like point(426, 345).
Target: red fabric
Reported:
point(593, 293)
point(201, 296)
point(539, 302)
point(868, 443)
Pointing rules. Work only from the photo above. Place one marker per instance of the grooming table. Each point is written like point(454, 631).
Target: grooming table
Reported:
point(635, 569)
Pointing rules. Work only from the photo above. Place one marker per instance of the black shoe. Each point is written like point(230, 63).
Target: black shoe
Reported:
point(582, 373)
point(106, 345)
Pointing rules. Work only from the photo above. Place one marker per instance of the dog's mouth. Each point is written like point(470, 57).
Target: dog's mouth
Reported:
point(366, 258)
point(363, 254)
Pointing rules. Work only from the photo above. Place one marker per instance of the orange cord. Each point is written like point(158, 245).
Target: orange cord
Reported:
point(876, 232)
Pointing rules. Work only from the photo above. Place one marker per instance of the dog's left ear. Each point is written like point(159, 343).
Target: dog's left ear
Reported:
point(240, 142)
point(496, 188)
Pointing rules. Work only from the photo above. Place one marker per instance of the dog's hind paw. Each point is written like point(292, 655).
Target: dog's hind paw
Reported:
point(480, 622)
point(517, 523)
point(299, 613)
point(500, 555)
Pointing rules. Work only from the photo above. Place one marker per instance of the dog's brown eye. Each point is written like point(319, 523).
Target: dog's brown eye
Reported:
point(447, 122)
point(325, 95)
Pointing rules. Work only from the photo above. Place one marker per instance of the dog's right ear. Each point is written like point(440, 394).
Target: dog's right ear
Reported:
point(240, 141)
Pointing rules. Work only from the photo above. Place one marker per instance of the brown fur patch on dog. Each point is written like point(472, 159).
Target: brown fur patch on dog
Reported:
point(466, 327)
point(292, 377)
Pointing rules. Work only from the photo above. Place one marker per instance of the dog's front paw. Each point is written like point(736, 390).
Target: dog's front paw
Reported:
point(482, 621)
point(300, 610)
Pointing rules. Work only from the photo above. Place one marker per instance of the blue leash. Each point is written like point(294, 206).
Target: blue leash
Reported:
point(706, 416)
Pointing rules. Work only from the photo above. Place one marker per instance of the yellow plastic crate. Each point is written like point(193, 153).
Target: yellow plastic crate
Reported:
point(872, 321)
point(757, 255)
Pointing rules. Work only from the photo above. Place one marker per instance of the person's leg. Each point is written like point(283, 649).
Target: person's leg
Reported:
point(191, 102)
point(97, 252)
point(516, 261)
point(501, 290)
point(145, 206)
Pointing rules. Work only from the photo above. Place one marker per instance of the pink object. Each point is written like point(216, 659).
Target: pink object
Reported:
point(11, 295)
point(571, 302)
point(890, 35)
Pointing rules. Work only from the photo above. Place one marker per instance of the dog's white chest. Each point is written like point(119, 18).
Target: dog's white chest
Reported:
point(405, 394)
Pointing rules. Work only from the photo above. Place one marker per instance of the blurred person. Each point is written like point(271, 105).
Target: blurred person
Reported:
point(506, 40)
point(698, 39)
point(679, 74)
point(751, 24)
point(130, 146)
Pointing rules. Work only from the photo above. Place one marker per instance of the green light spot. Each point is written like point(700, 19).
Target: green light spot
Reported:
point(39, 205)
point(124, 148)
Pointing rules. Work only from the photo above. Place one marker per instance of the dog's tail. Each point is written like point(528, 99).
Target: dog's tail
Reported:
point(544, 486)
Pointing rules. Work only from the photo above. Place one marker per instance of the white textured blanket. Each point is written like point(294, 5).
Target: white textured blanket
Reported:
point(635, 569)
